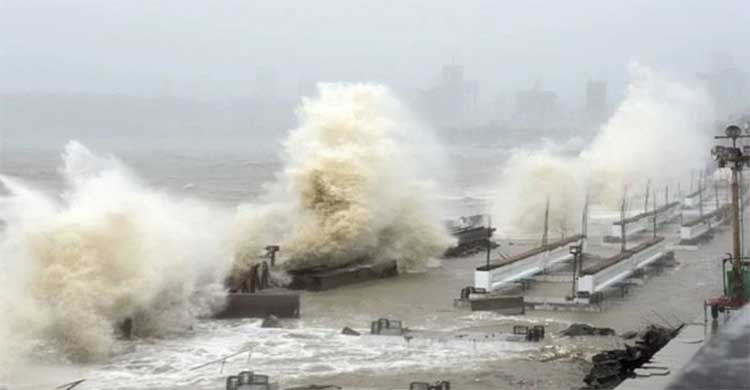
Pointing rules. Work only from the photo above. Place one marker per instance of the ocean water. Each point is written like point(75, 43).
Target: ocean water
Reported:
point(312, 350)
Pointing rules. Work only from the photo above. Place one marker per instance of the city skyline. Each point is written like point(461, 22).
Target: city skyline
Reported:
point(190, 50)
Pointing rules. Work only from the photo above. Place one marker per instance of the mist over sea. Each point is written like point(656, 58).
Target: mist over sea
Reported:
point(230, 174)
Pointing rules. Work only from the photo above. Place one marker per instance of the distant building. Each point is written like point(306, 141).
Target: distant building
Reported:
point(536, 108)
point(596, 103)
point(453, 101)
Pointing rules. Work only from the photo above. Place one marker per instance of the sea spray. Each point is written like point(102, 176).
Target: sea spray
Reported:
point(660, 131)
point(109, 248)
point(356, 186)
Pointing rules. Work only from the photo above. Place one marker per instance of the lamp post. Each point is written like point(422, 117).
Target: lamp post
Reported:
point(489, 239)
point(271, 253)
point(735, 158)
point(577, 252)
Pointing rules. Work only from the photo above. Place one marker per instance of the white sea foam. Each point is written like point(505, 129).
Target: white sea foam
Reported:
point(355, 185)
point(288, 355)
point(109, 248)
point(660, 131)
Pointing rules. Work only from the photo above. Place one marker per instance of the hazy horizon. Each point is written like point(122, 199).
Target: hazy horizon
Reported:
point(190, 49)
point(183, 69)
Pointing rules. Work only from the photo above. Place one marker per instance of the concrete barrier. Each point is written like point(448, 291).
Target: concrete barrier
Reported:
point(692, 199)
point(633, 227)
point(282, 304)
point(643, 222)
point(523, 265)
point(332, 278)
point(697, 229)
point(606, 274)
point(499, 304)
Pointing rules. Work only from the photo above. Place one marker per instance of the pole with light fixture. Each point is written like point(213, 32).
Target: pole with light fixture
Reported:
point(735, 158)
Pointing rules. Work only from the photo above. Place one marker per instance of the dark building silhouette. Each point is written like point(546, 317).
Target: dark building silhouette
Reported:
point(536, 108)
point(453, 101)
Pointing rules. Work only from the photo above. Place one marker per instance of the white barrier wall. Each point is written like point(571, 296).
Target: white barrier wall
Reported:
point(691, 201)
point(631, 228)
point(645, 221)
point(617, 272)
point(670, 215)
point(495, 278)
point(692, 231)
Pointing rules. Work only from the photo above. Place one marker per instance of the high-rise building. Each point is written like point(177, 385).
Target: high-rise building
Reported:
point(536, 108)
point(453, 75)
point(453, 101)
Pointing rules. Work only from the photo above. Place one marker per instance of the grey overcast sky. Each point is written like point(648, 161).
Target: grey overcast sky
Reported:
point(213, 48)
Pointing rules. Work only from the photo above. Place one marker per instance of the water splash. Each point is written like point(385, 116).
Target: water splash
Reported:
point(108, 248)
point(354, 186)
point(660, 131)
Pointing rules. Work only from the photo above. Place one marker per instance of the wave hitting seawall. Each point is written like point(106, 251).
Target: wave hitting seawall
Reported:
point(353, 187)
point(75, 265)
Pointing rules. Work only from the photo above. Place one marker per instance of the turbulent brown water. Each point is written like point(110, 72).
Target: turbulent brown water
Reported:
point(637, 143)
point(311, 350)
point(357, 183)
point(108, 248)
point(152, 233)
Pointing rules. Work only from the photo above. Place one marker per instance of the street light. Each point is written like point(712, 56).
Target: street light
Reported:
point(724, 154)
point(736, 158)
point(733, 132)
point(577, 252)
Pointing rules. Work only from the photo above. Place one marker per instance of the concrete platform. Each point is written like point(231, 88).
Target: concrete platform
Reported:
point(701, 228)
point(560, 304)
point(280, 303)
point(723, 361)
point(509, 270)
point(666, 364)
point(321, 280)
point(499, 304)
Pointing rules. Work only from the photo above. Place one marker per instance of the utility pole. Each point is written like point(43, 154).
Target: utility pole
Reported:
point(741, 196)
point(577, 252)
point(489, 236)
point(736, 158)
point(585, 221)
point(545, 239)
point(692, 177)
point(681, 199)
point(648, 190)
point(716, 194)
point(729, 191)
point(700, 194)
point(655, 213)
point(623, 211)
point(736, 246)
point(271, 253)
